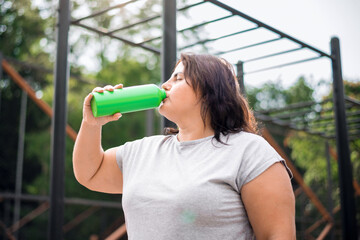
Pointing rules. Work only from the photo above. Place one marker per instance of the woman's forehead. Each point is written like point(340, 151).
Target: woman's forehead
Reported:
point(179, 67)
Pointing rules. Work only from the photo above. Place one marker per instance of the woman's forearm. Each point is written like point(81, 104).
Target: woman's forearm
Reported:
point(88, 153)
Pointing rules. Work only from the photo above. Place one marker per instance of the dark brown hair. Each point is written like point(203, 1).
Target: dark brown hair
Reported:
point(214, 80)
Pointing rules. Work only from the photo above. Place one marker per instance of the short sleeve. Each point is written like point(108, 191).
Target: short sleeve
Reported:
point(120, 156)
point(258, 156)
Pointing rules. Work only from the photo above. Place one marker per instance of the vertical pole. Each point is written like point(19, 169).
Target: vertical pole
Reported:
point(168, 50)
point(348, 217)
point(1, 71)
point(330, 185)
point(1, 74)
point(61, 73)
point(240, 77)
point(20, 161)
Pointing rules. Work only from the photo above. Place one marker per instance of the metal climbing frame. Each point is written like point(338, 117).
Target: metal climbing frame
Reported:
point(168, 54)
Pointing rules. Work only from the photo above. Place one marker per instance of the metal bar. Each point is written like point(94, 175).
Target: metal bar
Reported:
point(293, 113)
point(273, 55)
point(1, 75)
point(149, 40)
point(31, 93)
point(168, 56)
point(80, 201)
point(240, 77)
point(20, 159)
point(248, 46)
point(191, 5)
point(325, 231)
point(118, 233)
point(297, 176)
point(153, 18)
point(261, 24)
point(6, 231)
point(189, 28)
point(105, 33)
point(37, 67)
point(315, 225)
point(134, 24)
point(288, 124)
point(292, 106)
point(29, 217)
point(79, 218)
point(356, 187)
point(218, 38)
point(71, 201)
point(284, 65)
point(58, 136)
point(205, 23)
point(348, 210)
point(330, 183)
point(103, 11)
point(1, 70)
point(352, 100)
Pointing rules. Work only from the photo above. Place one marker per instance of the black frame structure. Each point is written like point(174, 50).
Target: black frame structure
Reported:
point(168, 57)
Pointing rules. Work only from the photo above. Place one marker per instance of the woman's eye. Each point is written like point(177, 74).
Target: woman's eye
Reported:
point(178, 79)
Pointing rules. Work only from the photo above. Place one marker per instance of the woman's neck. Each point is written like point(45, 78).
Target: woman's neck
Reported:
point(194, 130)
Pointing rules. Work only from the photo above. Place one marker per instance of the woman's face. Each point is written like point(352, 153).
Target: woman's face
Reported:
point(181, 101)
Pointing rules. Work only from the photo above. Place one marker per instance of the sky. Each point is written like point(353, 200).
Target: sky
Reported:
point(314, 22)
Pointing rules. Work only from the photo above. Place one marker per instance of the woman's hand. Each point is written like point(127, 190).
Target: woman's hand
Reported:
point(88, 116)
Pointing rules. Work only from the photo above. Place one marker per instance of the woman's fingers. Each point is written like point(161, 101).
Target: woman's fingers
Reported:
point(98, 89)
point(114, 117)
point(119, 86)
point(88, 99)
point(109, 88)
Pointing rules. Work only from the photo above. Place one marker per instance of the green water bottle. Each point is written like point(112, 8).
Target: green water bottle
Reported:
point(128, 99)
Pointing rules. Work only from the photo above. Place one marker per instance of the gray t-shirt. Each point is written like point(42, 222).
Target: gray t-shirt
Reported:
point(190, 190)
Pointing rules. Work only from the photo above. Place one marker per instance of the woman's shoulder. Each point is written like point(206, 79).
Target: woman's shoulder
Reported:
point(149, 140)
point(244, 137)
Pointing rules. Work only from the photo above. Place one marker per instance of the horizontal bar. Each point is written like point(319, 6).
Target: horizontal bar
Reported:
point(191, 5)
point(352, 100)
point(273, 55)
point(248, 46)
point(152, 18)
point(218, 38)
point(76, 201)
point(103, 11)
point(284, 65)
point(205, 23)
point(290, 107)
point(134, 24)
point(261, 24)
point(150, 40)
point(189, 28)
point(103, 32)
point(286, 124)
point(293, 114)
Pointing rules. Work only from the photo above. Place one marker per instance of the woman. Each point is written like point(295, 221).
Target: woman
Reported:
point(214, 179)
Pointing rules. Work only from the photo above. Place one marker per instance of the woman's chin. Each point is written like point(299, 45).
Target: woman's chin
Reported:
point(163, 112)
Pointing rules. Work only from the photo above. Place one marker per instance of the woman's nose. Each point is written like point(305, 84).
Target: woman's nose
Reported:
point(166, 85)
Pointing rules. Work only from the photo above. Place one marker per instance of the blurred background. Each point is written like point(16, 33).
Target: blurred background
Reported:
point(297, 95)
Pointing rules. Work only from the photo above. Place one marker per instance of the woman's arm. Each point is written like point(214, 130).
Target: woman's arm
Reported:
point(94, 168)
point(270, 204)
